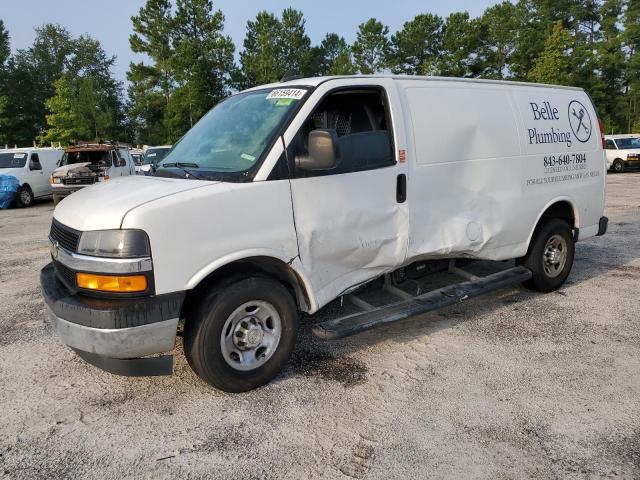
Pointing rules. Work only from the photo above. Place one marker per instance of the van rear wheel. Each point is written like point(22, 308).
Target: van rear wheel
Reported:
point(550, 256)
point(241, 334)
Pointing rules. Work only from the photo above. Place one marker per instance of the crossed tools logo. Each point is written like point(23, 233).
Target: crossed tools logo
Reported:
point(580, 121)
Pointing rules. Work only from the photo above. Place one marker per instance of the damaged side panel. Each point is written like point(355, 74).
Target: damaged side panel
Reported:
point(350, 228)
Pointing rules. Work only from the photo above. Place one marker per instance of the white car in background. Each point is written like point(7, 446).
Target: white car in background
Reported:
point(152, 156)
point(32, 167)
point(623, 152)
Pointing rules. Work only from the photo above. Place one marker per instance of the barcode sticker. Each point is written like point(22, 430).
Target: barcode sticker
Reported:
point(292, 93)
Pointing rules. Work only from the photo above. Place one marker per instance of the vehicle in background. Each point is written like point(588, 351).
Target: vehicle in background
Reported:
point(622, 152)
point(32, 167)
point(137, 155)
point(152, 156)
point(86, 164)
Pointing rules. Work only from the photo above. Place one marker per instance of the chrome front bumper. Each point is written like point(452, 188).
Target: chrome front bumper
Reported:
point(127, 343)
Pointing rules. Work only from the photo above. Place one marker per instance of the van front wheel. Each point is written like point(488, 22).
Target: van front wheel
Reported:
point(550, 256)
point(618, 166)
point(241, 335)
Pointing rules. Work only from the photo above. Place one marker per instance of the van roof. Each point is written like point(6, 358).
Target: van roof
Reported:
point(315, 81)
point(623, 135)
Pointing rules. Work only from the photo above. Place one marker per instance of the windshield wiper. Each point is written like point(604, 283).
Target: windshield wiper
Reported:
point(181, 165)
point(184, 166)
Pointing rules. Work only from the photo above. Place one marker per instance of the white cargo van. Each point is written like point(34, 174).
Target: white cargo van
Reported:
point(287, 196)
point(32, 167)
point(622, 152)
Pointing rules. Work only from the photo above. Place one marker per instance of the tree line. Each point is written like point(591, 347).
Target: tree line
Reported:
point(62, 89)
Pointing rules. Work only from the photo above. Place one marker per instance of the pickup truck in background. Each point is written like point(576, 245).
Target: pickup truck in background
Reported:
point(287, 196)
point(86, 164)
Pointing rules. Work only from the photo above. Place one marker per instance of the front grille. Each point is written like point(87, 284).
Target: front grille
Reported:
point(66, 237)
point(79, 180)
point(65, 274)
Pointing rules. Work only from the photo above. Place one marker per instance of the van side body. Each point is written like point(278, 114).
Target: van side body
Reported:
point(31, 178)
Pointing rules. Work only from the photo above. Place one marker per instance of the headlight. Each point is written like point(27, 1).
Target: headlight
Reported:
point(115, 243)
point(55, 180)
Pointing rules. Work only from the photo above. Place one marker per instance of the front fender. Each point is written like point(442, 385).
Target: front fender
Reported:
point(293, 263)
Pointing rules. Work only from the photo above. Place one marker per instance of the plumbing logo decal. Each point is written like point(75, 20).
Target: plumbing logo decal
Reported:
point(580, 121)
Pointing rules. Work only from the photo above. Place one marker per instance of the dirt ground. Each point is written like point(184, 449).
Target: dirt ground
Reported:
point(510, 385)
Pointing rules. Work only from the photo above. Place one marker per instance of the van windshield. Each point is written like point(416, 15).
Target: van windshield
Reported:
point(13, 160)
point(228, 143)
point(155, 155)
point(628, 143)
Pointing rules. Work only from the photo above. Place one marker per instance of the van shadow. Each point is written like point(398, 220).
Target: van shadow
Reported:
point(611, 255)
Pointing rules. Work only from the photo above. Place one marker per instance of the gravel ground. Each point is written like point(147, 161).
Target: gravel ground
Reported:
point(510, 385)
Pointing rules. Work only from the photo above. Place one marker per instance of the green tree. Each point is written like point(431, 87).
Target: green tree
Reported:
point(607, 93)
point(274, 47)
point(335, 56)
point(295, 44)
point(5, 51)
point(261, 55)
point(415, 49)
point(147, 105)
point(371, 48)
point(30, 81)
point(153, 28)
point(460, 42)
point(5, 47)
point(497, 40)
point(552, 65)
point(202, 63)
point(65, 122)
point(631, 38)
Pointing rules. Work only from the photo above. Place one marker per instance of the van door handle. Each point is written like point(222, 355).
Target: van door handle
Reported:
point(401, 188)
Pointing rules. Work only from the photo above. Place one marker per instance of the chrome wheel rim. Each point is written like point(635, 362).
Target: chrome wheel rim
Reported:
point(251, 335)
point(555, 256)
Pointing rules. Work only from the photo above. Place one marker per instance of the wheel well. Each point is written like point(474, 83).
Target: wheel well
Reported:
point(262, 266)
point(27, 186)
point(562, 210)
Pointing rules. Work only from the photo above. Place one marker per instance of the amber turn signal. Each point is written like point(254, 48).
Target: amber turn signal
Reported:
point(112, 283)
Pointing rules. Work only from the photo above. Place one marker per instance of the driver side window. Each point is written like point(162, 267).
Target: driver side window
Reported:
point(361, 122)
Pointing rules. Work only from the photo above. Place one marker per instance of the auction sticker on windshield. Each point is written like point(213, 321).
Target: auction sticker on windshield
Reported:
point(291, 93)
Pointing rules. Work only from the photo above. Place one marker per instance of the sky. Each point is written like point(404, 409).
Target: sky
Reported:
point(110, 20)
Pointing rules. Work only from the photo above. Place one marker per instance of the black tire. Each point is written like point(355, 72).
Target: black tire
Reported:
point(24, 197)
point(56, 200)
point(618, 166)
point(204, 333)
point(553, 230)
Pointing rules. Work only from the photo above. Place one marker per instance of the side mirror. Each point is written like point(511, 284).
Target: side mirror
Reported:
point(322, 151)
point(35, 165)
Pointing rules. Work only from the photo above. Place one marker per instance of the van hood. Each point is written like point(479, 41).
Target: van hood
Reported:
point(103, 206)
point(62, 171)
